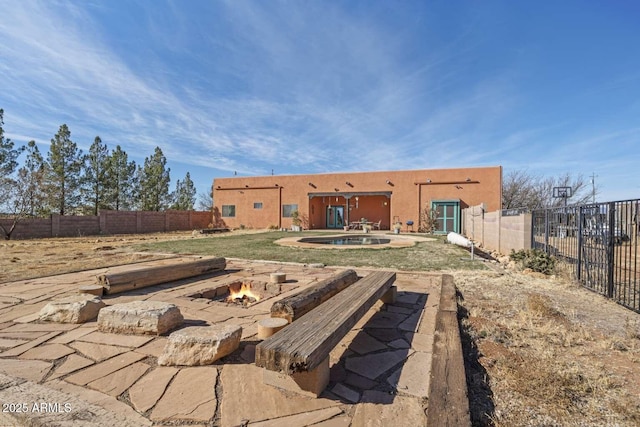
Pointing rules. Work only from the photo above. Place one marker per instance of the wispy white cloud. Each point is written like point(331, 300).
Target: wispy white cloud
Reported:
point(252, 86)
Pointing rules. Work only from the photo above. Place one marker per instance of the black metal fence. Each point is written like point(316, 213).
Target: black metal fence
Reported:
point(600, 241)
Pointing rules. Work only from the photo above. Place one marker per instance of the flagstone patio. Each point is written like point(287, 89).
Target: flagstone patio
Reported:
point(73, 374)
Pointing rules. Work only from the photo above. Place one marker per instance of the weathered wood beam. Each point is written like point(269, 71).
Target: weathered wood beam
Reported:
point(295, 306)
point(303, 345)
point(121, 282)
point(448, 398)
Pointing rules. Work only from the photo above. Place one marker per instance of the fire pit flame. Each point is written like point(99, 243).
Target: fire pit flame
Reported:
point(242, 294)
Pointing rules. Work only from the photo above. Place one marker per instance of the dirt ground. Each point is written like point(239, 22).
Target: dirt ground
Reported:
point(539, 351)
point(23, 259)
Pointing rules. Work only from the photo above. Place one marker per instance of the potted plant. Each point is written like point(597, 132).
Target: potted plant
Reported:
point(296, 221)
point(396, 227)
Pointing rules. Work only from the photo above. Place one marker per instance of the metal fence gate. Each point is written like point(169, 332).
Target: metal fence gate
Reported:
point(600, 241)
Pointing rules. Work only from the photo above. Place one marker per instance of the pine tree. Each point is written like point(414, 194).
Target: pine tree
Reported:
point(122, 181)
point(154, 181)
point(33, 174)
point(8, 154)
point(64, 162)
point(185, 194)
point(96, 175)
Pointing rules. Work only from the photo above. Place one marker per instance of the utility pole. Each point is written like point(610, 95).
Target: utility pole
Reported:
point(593, 186)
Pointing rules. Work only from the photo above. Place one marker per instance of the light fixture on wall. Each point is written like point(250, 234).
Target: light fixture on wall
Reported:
point(428, 180)
point(468, 179)
point(357, 198)
point(389, 182)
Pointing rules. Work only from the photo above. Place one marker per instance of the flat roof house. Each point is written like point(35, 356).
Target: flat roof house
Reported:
point(333, 200)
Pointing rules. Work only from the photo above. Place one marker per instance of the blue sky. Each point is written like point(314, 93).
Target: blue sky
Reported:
point(248, 87)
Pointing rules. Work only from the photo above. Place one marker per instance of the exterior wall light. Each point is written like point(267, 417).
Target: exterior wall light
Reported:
point(468, 179)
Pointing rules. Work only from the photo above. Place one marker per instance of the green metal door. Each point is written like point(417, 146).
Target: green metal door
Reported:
point(447, 214)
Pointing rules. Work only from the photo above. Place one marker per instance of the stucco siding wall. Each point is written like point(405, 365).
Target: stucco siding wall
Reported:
point(408, 191)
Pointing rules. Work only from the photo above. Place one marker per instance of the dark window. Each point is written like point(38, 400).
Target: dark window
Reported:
point(228, 210)
point(257, 205)
point(288, 210)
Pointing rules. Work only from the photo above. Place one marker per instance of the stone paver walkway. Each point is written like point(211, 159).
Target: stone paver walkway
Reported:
point(72, 374)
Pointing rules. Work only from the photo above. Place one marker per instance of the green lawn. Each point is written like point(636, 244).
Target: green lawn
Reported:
point(425, 256)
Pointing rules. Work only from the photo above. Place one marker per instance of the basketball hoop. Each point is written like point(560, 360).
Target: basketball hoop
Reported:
point(562, 193)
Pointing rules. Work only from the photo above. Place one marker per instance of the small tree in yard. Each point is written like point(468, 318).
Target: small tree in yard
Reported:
point(25, 196)
point(428, 221)
point(205, 201)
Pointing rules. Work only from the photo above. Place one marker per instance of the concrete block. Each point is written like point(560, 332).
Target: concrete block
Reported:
point(310, 383)
point(390, 296)
point(268, 327)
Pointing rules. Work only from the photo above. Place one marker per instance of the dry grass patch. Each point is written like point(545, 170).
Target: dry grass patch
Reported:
point(542, 357)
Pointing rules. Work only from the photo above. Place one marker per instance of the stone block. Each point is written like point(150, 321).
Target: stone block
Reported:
point(200, 345)
point(140, 317)
point(73, 309)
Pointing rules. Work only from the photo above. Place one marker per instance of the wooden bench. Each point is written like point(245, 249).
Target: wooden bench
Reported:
point(297, 357)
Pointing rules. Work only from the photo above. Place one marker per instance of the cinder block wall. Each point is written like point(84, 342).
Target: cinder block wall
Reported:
point(109, 222)
point(496, 232)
